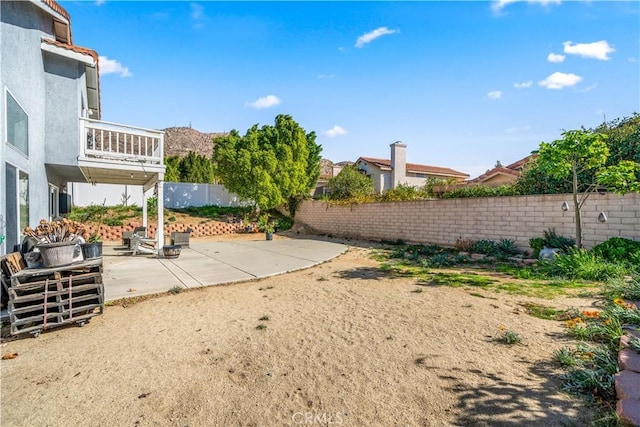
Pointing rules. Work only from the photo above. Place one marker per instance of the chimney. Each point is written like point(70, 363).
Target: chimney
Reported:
point(398, 163)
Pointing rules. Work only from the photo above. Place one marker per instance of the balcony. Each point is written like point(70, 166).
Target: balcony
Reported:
point(111, 153)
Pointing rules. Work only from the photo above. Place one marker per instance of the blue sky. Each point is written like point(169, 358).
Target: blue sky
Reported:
point(463, 84)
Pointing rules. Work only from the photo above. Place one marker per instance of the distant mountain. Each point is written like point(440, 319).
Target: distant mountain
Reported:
point(179, 141)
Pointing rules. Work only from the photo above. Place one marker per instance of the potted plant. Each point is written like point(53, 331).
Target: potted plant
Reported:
point(266, 226)
point(56, 240)
point(92, 247)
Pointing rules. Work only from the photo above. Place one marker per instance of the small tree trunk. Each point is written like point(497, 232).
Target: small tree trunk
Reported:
point(576, 207)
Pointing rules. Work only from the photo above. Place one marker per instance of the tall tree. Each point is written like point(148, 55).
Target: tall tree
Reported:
point(577, 152)
point(269, 165)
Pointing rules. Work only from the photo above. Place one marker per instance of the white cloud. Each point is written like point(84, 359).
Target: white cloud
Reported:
point(111, 66)
point(372, 35)
point(335, 131)
point(326, 76)
point(523, 85)
point(590, 88)
point(597, 50)
point(495, 94)
point(560, 80)
point(100, 2)
point(498, 5)
point(555, 57)
point(264, 102)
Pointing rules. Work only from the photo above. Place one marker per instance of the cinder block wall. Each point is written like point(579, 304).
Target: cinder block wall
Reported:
point(444, 221)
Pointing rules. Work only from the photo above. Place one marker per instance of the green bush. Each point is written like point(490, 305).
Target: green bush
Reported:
point(554, 240)
point(403, 193)
point(618, 249)
point(506, 247)
point(584, 265)
point(284, 223)
point(537, 244)
point(486, 247)
point(481, 191)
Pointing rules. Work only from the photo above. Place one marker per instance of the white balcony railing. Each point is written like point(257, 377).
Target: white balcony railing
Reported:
point(117, 142)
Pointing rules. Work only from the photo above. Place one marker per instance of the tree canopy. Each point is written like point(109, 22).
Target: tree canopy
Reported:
point(350, 183)
point(269, 165)
point(192, 168)
point(623, 142)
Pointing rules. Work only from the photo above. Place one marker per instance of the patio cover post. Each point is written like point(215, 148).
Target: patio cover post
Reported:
point(145, 213)
point(160, 232)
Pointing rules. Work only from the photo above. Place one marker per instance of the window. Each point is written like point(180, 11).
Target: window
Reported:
point(17, 198)
point(17, 125)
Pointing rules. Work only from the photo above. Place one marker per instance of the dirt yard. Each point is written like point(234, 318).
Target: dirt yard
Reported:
point(343, 343)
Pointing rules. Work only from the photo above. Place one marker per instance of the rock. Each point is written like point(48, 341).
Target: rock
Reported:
point(629, 359)
point(627, 385)
point(629, 411)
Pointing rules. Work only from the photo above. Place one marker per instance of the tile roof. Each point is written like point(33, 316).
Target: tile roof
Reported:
point(74, 48)
point(56, 7)
point(416, 168)
point(513, 169)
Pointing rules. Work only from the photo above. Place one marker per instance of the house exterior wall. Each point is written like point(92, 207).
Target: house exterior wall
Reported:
point(22, 24)
point(444, 221)
point(64, 83)
point(381, 179)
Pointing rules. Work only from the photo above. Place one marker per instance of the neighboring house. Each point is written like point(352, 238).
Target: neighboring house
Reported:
point(499, 175)
point(51, 122)
point(388, 174)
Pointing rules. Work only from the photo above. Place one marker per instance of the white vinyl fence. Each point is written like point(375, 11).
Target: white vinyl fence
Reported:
point(176, 195)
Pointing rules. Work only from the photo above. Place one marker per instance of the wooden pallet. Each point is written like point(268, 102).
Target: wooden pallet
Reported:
point(48, 298)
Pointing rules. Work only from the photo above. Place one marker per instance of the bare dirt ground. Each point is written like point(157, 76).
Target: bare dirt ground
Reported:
point(343, 343)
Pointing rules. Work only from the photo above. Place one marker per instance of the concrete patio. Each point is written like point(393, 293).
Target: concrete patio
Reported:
point(210, 262)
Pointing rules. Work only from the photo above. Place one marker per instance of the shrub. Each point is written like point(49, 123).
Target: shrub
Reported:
point(537, 244)
point(481, 191)
point(585, 265)
point(618, 249)
point(464, 245)
point(403, 193)
point(554, 240)
point(506, 247)
point(284, 223)
point(486, 247)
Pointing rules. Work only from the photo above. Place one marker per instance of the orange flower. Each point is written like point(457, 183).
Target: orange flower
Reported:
point(593, 314)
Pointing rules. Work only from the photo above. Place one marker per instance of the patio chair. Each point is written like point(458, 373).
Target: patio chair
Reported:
point(181, 239)
point(127, 235)
point(142, 245)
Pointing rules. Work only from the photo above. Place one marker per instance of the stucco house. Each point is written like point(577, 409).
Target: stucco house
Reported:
point(495, 177)
point(388, 174)
point(51, 122)
point(500, 175)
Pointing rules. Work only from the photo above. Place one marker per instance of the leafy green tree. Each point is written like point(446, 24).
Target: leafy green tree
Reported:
point(621, 178)
point(350, 183)
point(196, 168)
point(172, 172)
point(269, 165)
point(623, 139)
point(577, 152)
